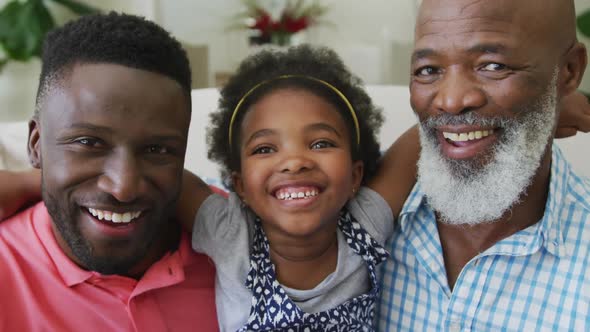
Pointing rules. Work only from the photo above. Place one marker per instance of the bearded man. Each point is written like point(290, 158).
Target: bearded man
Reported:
point(495, 235)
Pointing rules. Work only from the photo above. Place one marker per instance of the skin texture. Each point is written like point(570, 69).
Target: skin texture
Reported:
point(112, 138)
point(487, 57)
point(294, 139)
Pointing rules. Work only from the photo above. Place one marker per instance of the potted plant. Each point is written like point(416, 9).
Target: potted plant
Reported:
point(276, 22)
point(23, 25)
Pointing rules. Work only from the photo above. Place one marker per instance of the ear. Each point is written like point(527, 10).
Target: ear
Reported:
point(238, 184)
point(357, 175)
point(573, 68)
point(34, 143)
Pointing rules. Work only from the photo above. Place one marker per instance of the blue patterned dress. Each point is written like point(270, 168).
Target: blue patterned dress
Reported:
point(273, 310)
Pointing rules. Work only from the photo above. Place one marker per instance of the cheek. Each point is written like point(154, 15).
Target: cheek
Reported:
point(420, 98)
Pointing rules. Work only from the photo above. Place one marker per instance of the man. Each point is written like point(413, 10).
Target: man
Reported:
point(495, 235)
point(109, 135)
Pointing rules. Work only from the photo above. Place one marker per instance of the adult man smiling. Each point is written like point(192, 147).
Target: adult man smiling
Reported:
point(109, 135)
point(496, 234)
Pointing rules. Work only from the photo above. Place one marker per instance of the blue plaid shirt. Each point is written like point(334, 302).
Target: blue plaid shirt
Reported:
point(535, 280)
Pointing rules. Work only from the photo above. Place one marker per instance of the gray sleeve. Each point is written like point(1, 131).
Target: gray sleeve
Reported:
point(373, 213)
point(219, 224)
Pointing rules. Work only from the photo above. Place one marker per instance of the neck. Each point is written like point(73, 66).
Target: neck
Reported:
point(305, 261)
point(461, 242)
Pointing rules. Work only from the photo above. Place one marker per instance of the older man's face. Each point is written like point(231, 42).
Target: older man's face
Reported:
point(110, 142)
point(484, 89)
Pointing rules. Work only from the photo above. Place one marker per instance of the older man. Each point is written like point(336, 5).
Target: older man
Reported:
point(109, 135)
point(496, 234)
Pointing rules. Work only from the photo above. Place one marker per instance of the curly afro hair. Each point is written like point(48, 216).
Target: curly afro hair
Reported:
point(304, 60)
point(113, 38)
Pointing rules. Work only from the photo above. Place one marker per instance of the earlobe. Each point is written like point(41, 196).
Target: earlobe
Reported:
point(34, 144)
point(573, 69)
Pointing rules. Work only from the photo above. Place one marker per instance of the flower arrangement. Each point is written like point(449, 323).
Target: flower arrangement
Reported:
point(276, 21)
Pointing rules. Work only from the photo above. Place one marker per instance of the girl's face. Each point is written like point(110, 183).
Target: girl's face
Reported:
point(296, 165)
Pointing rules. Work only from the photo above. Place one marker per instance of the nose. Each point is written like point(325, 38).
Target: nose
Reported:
point(122, 177)
point(295, 163)
point(458, 92)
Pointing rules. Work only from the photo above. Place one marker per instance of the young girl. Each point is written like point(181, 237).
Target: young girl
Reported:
point(297, 242)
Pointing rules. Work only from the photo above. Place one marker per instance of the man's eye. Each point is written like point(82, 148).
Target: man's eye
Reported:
point(493, 66)
point(88, 142)
point(322, 145)
point(426, 71)
point(157, 149)
point(263, 150)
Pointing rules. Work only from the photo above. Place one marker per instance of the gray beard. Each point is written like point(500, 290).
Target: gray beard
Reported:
point(471, 192)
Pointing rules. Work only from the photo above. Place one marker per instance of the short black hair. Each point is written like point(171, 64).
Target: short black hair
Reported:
point(311, 61)
point(114, 38)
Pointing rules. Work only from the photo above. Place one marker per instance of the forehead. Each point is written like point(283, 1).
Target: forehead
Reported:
point(465, 22)
point(291, 107)
point(117, 97)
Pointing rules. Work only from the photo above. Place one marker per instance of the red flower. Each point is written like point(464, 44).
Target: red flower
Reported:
point(294, 25)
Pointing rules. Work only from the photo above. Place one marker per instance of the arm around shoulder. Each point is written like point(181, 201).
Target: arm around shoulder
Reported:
point(18, 190)
point(397, 170)
point(194, 192)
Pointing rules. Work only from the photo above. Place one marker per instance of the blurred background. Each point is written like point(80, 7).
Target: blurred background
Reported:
point(373, 37)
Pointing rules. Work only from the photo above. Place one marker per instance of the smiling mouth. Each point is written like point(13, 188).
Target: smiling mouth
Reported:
point(467, 136)
point(295, 193)
point(113, 217)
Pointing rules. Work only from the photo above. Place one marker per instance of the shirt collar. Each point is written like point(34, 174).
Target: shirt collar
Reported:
point(167, 271)
point(550, 226)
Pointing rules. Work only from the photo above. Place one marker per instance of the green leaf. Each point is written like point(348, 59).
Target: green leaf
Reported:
point(78, 7)
point(23, 26)
point(583, 22)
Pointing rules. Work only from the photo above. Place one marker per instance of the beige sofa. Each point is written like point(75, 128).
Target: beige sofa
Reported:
point(393, 99)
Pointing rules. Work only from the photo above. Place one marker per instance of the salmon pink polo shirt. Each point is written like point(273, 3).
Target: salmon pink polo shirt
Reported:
point(41, 289)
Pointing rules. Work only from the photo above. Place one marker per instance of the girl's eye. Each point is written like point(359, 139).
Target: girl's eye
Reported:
point(263, 150)
point(492, 66)
point(157, 149)
point(322, 145)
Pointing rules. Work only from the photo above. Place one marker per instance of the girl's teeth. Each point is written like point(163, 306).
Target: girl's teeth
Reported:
point(295, 195)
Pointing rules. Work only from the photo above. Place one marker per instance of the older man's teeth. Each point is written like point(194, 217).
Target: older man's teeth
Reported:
point(284, 195)
point(468, 136)
point(114, 217)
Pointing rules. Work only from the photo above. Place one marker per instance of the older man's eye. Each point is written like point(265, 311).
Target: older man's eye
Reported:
point(426, 71)
point(493, 66)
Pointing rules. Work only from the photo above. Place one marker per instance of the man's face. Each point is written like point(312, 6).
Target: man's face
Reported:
point(484, 89)
point(110, 142)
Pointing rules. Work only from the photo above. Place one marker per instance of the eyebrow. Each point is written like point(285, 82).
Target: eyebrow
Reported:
point(108, 130)
point(492, 48)
point(320, 126)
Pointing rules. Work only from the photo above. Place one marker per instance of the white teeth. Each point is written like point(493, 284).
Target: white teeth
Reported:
point(114, 217)
point(295, 195)
point(467, 136)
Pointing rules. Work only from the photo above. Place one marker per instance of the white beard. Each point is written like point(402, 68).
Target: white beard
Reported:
point(464, 191)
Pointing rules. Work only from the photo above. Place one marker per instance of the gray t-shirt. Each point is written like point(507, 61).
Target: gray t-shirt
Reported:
point(224, 231)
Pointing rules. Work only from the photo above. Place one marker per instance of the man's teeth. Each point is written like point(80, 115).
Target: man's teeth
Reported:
point(114, 217)
point(283, 195)
point(468, 136)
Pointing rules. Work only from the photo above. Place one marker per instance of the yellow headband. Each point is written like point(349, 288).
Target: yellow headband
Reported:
point(333, 88)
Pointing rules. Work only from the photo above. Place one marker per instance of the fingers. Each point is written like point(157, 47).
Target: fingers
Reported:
point(563, 132)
